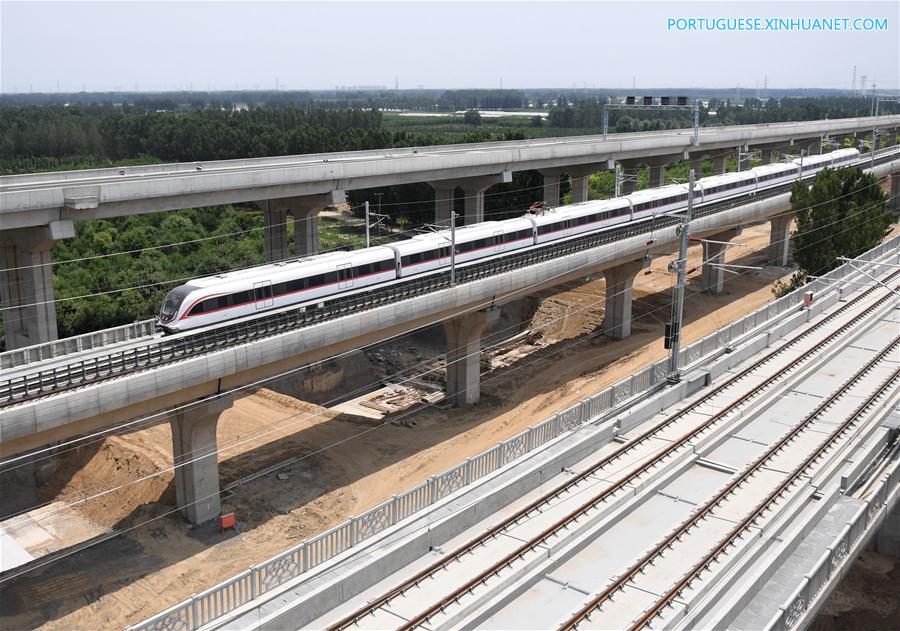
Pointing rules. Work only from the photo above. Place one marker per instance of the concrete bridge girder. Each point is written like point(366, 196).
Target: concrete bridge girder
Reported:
point(198, 184)
point(83, 410)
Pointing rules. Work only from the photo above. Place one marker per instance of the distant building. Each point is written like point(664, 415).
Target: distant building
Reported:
point(359, 88)
point(240, 107)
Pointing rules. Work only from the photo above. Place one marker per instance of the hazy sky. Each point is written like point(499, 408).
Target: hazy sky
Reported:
point(307, 45)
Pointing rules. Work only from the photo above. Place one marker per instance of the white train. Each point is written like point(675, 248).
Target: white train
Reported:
point(216, 299)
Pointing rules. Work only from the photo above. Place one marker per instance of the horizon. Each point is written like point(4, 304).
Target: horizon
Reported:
point(157, 47)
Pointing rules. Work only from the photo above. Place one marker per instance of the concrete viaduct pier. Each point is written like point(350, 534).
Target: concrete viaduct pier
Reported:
point(192, 391)
point(300, 186)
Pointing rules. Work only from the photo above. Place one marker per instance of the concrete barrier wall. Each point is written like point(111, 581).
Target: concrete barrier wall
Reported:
point(628, 393)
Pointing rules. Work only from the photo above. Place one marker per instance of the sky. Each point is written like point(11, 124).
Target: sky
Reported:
point(155, 46)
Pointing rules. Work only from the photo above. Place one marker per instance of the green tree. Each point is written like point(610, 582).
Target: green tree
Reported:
point(472, 117)
point(843, 214)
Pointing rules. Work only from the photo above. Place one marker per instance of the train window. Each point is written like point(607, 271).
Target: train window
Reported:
point(279, 289)
point(362, 270)
point(240, 298)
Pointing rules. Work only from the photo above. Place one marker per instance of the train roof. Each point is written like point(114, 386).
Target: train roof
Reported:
point(657, 193)
point(768, 169)
point(815, 159)
point(290, 268)
point(722, 178)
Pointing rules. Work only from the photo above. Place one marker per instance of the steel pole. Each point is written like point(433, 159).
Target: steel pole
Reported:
point(680, 266)
point(367, 223)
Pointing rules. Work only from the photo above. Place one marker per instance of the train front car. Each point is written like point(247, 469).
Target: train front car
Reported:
point(172, 308)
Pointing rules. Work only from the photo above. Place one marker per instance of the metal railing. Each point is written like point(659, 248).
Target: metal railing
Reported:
point(836, 555)
point(165, 351)
point(76, 344)
point(228, 595)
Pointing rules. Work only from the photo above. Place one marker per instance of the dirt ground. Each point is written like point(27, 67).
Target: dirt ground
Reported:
point(867, 599)
point(336, 465)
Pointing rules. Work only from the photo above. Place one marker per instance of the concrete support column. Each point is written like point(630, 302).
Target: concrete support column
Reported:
point(887, 539)
point(712, 276)
point(552, 179)
point(697, 165)
point(443, 201)
point(629, 179)
point(814, 147)
point(720, 164)
point(657, 176)
point(196, 463)
point(619, 285)
point(464, 355)
point(894, 203)
point(579, 177)
point(473, 196)
point(780, 240)
point(744, 162)
point(304, 210)
point(306, 232)
point(26, 284)
point(473, 192)
point(768, 150)
point(473, 206)
point(275, 232)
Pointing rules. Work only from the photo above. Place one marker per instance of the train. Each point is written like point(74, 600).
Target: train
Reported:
point(222, 297)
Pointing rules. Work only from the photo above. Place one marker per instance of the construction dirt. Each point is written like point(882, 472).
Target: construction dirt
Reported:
point(331, 465)
point(867, 598)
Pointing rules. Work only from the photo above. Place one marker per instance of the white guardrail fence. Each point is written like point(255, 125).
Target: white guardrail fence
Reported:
point(219, 600)
point(842, 551)
point(76, 344)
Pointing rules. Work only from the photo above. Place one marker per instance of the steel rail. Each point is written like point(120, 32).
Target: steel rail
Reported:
point(710, 506)
point(44, 383)
point(494, 531)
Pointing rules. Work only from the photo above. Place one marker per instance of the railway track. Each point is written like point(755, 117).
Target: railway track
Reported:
point(622, 482)
point(160, 352)
point(708, 509)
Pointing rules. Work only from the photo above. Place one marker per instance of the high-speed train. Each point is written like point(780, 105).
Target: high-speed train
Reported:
point(215, 299)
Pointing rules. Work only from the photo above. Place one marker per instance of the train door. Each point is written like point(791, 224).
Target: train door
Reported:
point(345, 276)
point(498, 241)
point(262, 294)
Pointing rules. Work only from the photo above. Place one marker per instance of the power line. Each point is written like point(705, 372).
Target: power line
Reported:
point(129, 426)
point(305, 456)
point(187, 278)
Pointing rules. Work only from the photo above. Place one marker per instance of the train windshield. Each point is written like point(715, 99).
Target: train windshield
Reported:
point(172, 302)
